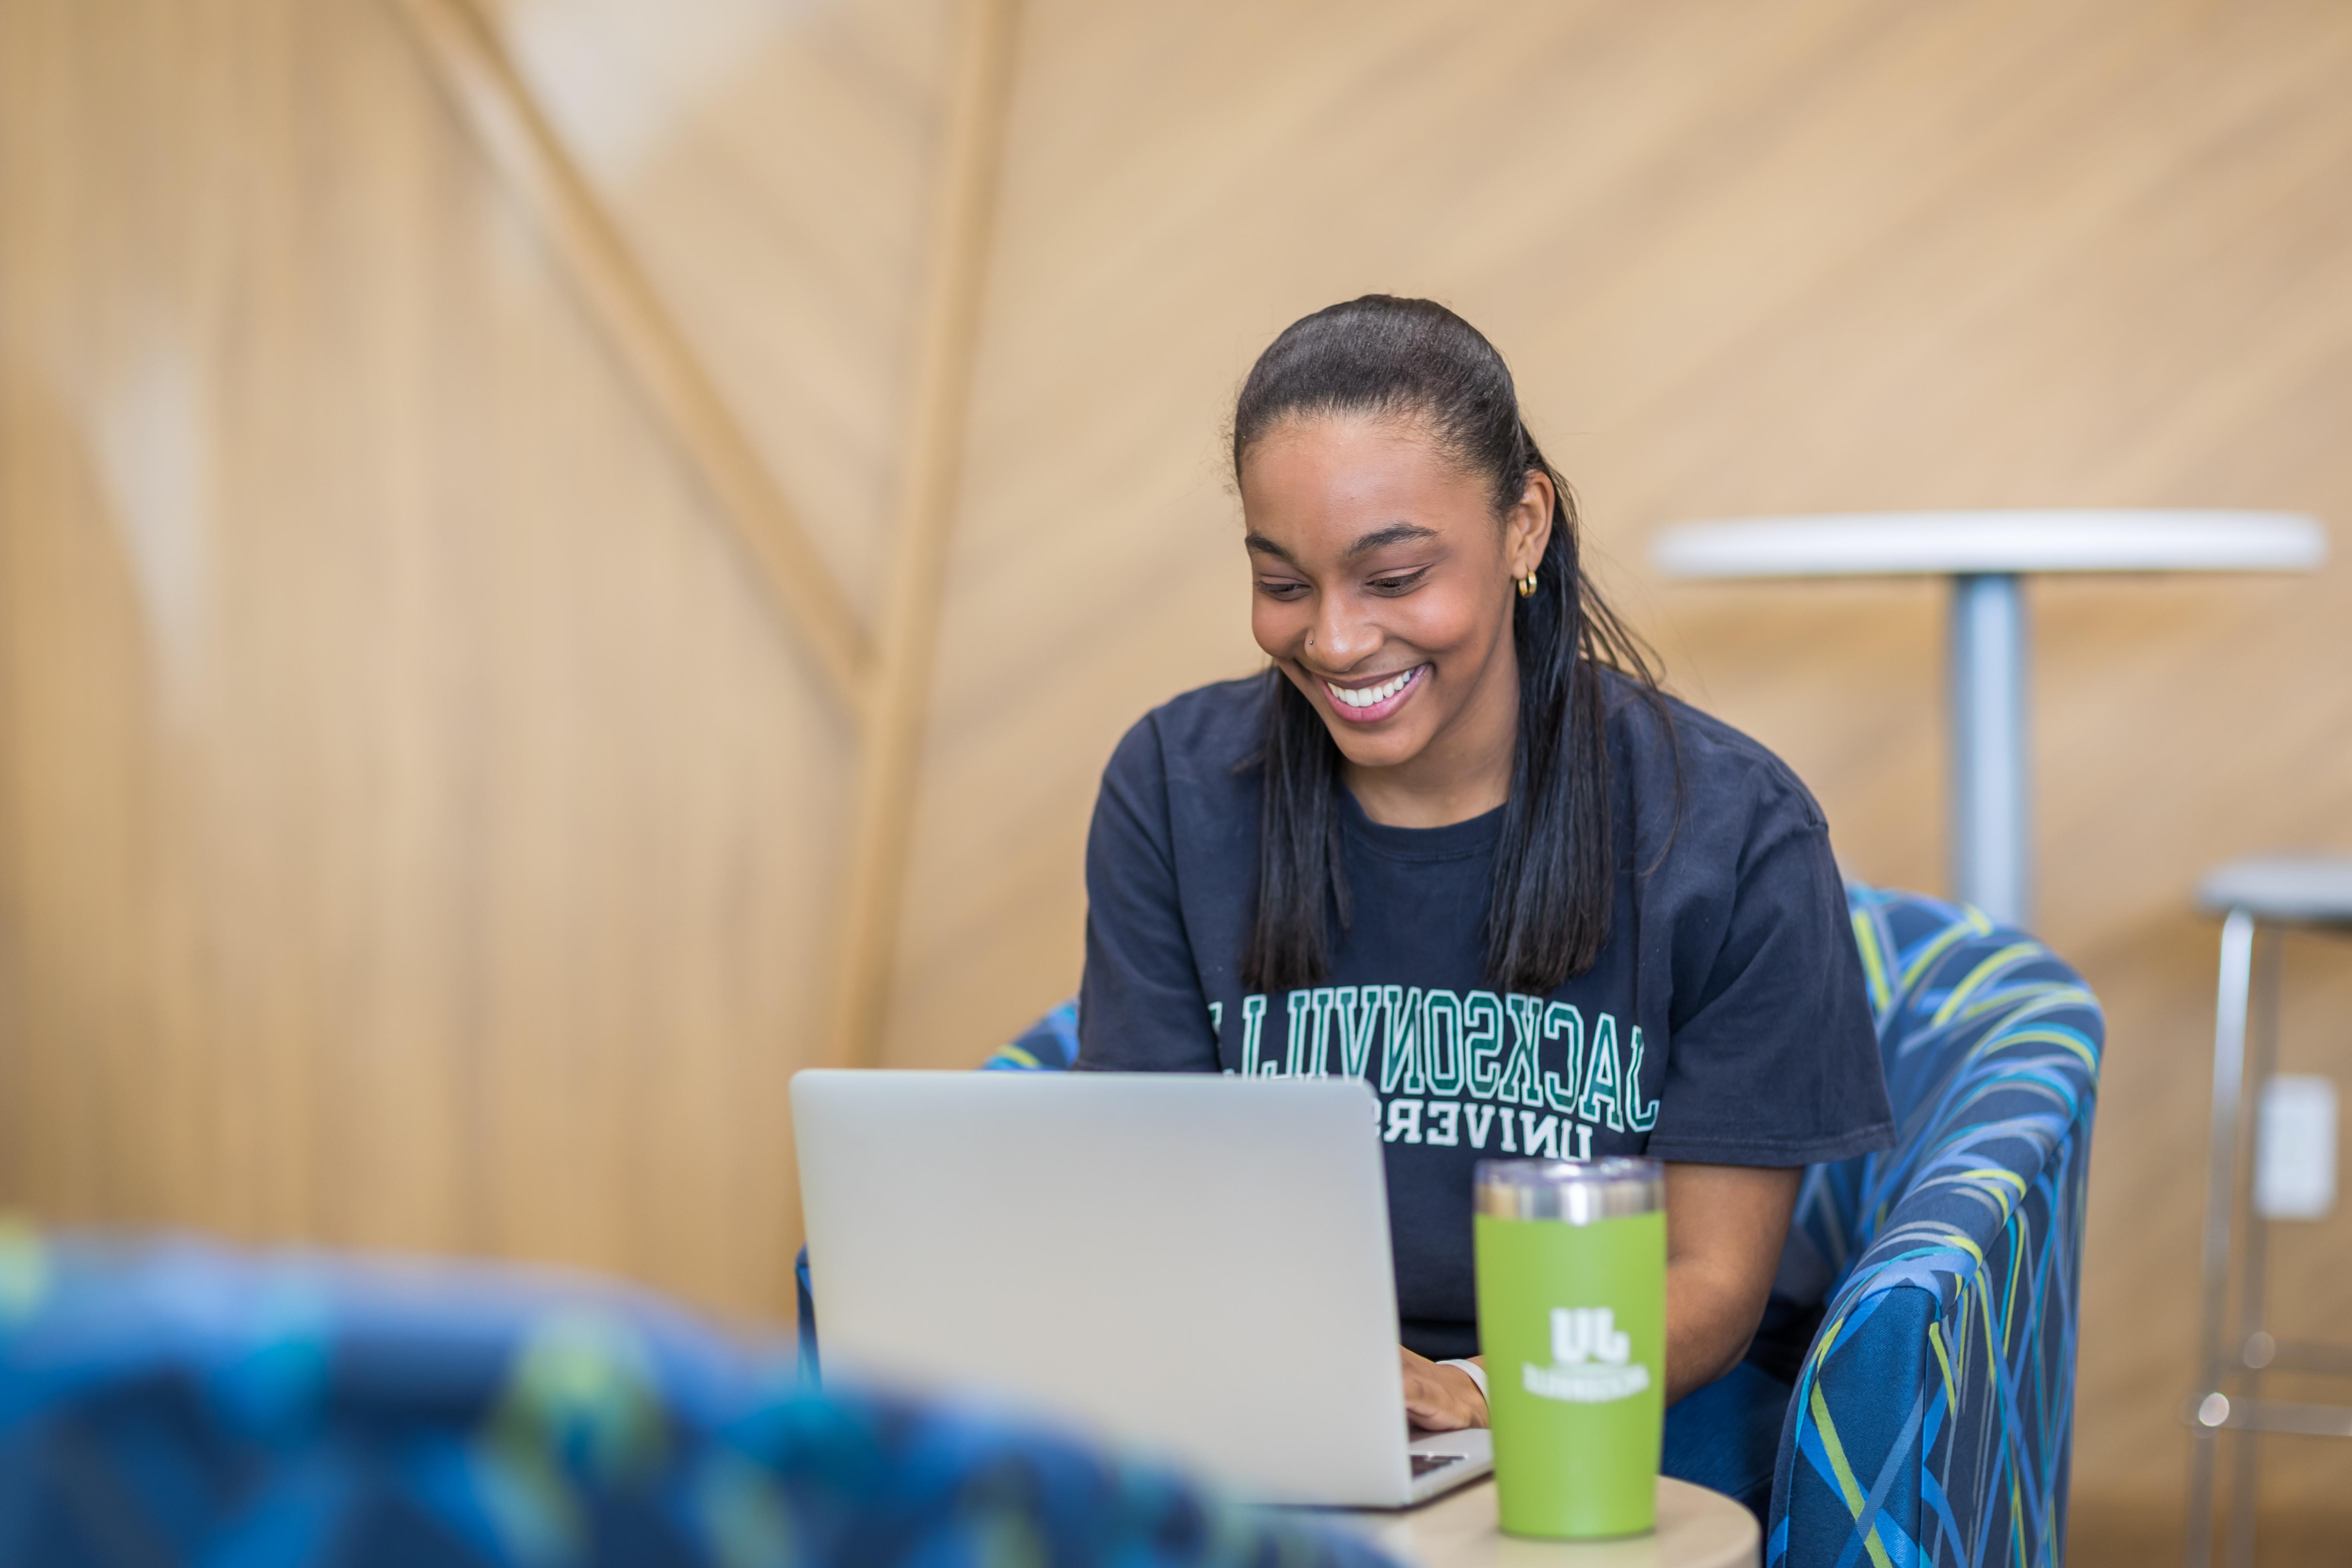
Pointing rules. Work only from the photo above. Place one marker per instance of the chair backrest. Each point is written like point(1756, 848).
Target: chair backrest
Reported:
point(1049, 1045)
point(1950, 1259)
point(1990, 1044)
point(1964, 1008)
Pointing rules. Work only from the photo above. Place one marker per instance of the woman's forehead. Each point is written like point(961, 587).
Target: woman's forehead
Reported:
point(1345, 472)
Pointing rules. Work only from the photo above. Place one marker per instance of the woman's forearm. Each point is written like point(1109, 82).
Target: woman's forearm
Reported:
point(1709, 1324)
point(1724, 1225)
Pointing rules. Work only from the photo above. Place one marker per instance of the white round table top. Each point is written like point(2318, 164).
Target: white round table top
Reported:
point(1957, 543)
point(1696, 1528)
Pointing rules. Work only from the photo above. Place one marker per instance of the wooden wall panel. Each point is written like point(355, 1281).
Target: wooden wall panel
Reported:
point(770, 165)
point(419, 826)
point(416, 829)
point(1816, 255)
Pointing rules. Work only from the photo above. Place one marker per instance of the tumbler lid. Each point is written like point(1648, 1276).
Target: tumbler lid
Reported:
point(1577, 1192)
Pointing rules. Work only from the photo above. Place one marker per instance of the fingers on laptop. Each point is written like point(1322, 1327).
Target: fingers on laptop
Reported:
point(1439, 1398)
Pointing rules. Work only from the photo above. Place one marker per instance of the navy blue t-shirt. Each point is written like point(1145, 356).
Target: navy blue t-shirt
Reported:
point(1725, 1022)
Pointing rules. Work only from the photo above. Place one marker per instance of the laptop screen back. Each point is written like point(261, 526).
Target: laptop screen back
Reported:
point(1193, 1265)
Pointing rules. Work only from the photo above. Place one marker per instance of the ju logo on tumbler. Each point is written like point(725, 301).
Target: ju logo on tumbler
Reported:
point(1572, 1261)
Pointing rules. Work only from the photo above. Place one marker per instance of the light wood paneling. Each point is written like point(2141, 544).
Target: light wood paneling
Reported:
point(420, 828)
point(415, 826)
point(771, 163)
point(1815, 256)
point(963, 209)
point(470, 59)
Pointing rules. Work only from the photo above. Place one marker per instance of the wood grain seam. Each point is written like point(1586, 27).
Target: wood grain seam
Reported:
point(964, 195)
point(466, 60)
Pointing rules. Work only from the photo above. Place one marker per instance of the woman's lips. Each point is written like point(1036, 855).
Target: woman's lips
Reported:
point(1386, 696)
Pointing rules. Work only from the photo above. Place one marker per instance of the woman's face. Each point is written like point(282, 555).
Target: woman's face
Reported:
point(1384, 583)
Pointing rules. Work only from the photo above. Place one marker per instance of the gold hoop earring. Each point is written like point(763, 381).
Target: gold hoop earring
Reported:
point(1527, 587)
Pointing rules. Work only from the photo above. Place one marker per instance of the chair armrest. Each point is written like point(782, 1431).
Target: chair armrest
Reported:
point(1932, 1417)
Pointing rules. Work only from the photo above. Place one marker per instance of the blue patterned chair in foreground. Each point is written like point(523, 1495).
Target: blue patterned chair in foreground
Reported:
point(1933, 1415)
point(172, 1403)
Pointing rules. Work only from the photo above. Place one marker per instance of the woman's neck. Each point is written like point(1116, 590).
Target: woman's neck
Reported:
point(1465, 769)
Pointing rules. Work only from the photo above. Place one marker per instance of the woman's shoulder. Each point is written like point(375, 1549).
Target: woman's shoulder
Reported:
point(1185, 763)
point(1713, 768)
point(1209, 731)
point(1179, 775)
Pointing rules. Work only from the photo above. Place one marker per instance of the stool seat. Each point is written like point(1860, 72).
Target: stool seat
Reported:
point(2303, 889)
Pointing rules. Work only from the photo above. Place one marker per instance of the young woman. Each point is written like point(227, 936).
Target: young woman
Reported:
point(1456, 842)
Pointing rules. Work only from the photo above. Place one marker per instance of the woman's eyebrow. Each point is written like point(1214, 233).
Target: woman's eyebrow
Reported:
point(1378, 538)
point(1394, 533)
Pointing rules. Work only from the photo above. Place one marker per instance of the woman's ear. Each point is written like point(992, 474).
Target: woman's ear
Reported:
point(1527, 531)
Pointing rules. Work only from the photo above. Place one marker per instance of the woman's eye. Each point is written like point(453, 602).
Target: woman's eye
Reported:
point(1275, 588)
point(1399, 584)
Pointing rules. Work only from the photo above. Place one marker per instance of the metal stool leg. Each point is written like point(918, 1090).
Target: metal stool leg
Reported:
point(2230, 1010)
point(2263, 1004)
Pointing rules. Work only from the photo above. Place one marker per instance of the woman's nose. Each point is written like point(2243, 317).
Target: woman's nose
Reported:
point(1340, 637)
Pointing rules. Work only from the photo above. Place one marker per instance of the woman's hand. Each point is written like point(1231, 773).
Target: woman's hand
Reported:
point(1440, 1398)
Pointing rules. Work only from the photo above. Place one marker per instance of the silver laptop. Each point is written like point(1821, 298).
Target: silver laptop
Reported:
point(1191, 1265)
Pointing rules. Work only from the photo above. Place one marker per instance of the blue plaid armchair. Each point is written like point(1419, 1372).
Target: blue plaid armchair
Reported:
point(170, 1403)
point(1932, 1419)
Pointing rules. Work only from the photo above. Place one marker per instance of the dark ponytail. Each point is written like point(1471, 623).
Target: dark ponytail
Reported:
point(1548, 912)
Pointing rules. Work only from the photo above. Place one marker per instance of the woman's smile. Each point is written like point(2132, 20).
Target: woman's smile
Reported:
point(1370, 700)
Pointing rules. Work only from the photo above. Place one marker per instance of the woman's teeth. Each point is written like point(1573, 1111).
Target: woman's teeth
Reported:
point(1368, 696)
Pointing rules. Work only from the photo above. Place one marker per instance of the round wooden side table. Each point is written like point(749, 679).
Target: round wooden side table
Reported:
point(1696, 1528)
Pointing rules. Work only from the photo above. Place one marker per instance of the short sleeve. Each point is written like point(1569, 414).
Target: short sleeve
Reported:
point(1774, 1061)
point(1141, 1007)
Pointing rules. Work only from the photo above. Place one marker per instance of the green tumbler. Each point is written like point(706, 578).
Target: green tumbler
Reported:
point(1572, 1260)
